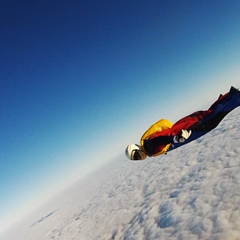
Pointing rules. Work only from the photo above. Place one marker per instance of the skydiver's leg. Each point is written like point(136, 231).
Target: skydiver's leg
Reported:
point(225, 98)
point(213, 122)
point(219, 109)
point(209, 119)
point(204, 121)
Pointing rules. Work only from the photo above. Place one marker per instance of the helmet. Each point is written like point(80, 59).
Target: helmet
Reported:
point(135, 152)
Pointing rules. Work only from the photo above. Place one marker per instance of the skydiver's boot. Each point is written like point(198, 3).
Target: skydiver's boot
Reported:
point(234, 90)
point(222, 99)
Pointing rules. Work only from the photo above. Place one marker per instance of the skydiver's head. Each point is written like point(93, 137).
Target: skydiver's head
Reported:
point(135, 152)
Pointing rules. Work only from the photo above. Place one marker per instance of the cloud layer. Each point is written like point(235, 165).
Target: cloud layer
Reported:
point(191, 193)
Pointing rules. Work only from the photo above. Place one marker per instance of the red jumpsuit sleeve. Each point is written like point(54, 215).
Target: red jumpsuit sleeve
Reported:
point(188, 121)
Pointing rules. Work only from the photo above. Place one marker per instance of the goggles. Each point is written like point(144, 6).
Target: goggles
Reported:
point(136, 155)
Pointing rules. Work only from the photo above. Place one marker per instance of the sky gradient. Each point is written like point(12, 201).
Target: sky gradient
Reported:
point(82, 79)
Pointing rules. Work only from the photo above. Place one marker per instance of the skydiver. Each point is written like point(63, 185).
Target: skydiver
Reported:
point(164, 136)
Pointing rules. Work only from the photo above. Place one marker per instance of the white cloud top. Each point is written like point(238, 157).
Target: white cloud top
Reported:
point(191, 193)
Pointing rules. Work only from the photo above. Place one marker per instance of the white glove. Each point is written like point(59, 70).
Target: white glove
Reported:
point(184, 136)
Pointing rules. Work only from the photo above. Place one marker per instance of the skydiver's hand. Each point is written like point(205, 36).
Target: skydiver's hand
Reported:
point(185, 134)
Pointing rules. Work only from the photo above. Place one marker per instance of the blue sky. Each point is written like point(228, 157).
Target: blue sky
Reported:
point(82, 79)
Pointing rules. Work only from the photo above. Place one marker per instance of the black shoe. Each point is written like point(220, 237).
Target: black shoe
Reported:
point(234, 90)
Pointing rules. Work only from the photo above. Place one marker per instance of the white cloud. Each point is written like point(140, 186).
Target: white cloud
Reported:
point(191, 193)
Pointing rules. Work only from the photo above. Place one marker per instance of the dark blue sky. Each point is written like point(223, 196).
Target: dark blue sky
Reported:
point(82, 79)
